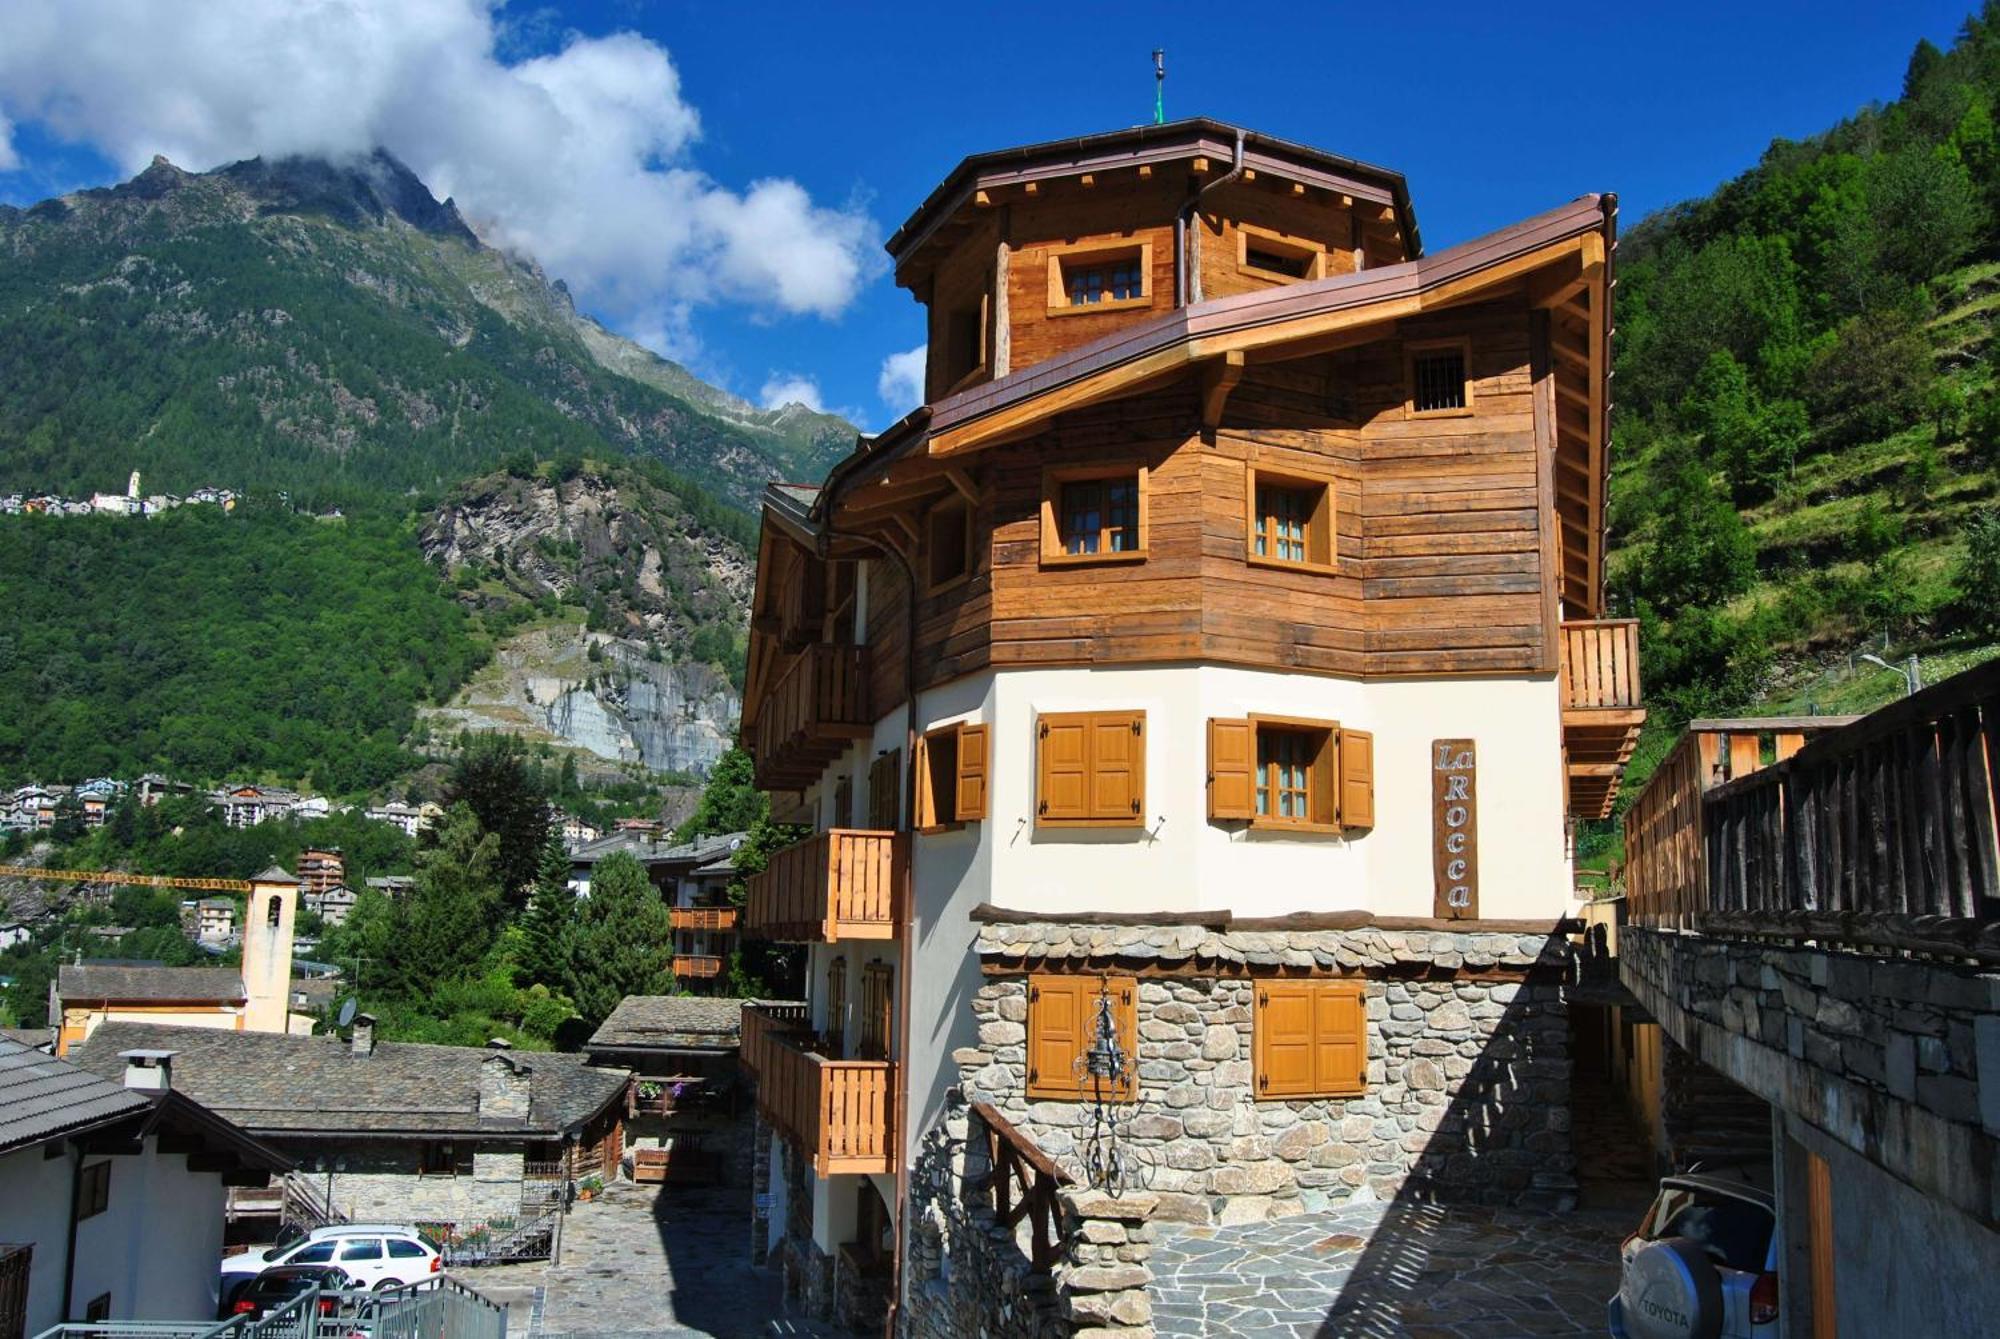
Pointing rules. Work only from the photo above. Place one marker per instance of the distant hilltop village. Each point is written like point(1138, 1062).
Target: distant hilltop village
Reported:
point(130, 503)
point(35, 807)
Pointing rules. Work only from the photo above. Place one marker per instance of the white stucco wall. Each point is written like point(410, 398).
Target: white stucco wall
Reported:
point(154, 1249)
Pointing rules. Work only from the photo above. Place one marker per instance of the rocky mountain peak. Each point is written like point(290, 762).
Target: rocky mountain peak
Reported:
point(357, 191)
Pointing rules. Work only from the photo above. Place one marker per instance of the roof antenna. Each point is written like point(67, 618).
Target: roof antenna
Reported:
point(1159, 86)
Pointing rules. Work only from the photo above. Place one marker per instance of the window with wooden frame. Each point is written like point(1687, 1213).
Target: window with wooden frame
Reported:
point(1289, 518)
point(1090, 769)
point(947, 544)
point(1063, 1013)
point(443, 1158)
point(1287, 773)
point(1098, 277)
point(964, 338)
point(878, 1005)
point(951, 776)
point(1094, 514)
point(93, 1190)
point(834, 1034)
point(1310, 1039)
point(1439, 372)
point(885, 780)
point(1264, 254)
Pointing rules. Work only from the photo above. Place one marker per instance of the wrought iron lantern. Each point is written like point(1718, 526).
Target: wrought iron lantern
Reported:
point(1108, 1070)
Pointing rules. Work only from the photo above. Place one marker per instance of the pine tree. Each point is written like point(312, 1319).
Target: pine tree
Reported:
point(624, 939)
point(547, 935)
point(446, 924)
point(492, 776)
point(731, 801)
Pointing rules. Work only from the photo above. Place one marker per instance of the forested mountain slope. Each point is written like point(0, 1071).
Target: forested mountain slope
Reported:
point(1807, 425)
point(334, 331)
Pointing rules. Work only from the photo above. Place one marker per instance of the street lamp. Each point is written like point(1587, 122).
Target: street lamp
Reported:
point(1912, 673)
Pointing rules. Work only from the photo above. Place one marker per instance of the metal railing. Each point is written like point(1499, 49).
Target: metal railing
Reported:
point(434, 1309)
point(498, 1241)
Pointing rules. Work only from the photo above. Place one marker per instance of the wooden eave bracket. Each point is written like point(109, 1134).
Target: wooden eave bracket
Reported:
point(1218, 378)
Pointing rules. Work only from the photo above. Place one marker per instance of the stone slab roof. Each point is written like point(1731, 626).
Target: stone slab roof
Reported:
point(273, 1085)
point(108, 981)
point(671, 1022)
point(42, 1097)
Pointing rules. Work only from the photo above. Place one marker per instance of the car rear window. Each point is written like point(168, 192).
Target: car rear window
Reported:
point(1733, 1232)
point(406, 1250)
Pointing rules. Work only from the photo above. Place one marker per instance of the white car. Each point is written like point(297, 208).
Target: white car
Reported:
point(1704, 1262)
point(375, 1255)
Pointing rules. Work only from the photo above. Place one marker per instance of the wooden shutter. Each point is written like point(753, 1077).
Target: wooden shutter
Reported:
point(1326, 775)
point(836, 1004)
point(1056, 1021)
point(884, 775)
point(1062, 768)
point(1118, 766)
point(926, 815)
point(971, 772)
point(1340, 1038)
point(1284, 1039)
point(1357, 779)
point(1232, 769)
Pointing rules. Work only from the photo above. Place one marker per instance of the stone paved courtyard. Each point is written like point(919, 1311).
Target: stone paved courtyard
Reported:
point(1381, 1271)
point(639, 1261)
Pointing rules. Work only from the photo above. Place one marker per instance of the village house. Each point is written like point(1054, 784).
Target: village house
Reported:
point(211, 920)
point(411, 818)
point(693, 880)
point(333, 905)
point(253, 998)
point(115, 1186)
point(247, 805)
point(1248, 561)
point(682, 1052)
point(395, 1131)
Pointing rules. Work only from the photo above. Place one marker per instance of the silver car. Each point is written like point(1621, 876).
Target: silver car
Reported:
point(1702, 1265)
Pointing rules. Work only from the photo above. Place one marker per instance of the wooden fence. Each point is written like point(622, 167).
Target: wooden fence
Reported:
point(1020, 1182)
point(1880, 834)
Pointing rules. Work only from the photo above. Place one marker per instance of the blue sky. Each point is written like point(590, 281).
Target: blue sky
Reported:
point(1493, 112)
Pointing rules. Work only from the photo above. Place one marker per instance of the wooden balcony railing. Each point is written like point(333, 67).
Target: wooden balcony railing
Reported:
point(1020, 1182)
point(696, 965)
point(810, 716)
point(1600, 663)
point(762, 1025)
point(704, 918)
point(836, 1111)
point(1600, 709)
point(835, 885)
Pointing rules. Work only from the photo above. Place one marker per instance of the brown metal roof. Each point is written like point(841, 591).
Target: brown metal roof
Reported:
point(1194, 137)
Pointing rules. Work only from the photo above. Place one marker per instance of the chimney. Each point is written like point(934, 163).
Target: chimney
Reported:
point(148, 1071)
point(504, 1090)
point(363, 1043)
point(499, 1044)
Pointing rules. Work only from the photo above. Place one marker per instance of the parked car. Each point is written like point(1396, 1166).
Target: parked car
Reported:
point(270, 1290)
point(374, 1255)
point(1703, 1264)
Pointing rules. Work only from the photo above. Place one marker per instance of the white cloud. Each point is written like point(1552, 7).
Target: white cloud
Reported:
point(580, 157)
point(9, 159)
point(901, 384)
point(783, 388)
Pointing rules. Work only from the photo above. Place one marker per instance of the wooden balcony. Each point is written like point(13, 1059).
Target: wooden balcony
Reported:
point(837, 1112)
point(704, 918)
point(762, 1024)
point(817, 708)
point(1601, 714)
point(696, 965)
point(835, 885)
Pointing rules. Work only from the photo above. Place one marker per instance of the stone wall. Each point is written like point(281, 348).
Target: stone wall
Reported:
point(381, 1184)
point(1897, 1059)
point(1467, 1082)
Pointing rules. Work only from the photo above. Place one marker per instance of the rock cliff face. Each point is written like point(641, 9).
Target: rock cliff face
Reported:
point(634, 611)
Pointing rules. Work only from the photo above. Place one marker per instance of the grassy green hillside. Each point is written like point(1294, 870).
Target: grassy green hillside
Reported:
point(1807, 433)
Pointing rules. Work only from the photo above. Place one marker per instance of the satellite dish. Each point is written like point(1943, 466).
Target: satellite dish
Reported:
point(346, 1011)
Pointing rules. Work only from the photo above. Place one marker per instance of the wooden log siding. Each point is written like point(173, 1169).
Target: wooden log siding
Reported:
point(817, 706)
point(837, 1112)
point(1891, 817)
point(834, 885)
point(1020, 1183)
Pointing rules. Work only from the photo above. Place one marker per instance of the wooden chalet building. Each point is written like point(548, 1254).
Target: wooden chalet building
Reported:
point(1221, 650)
